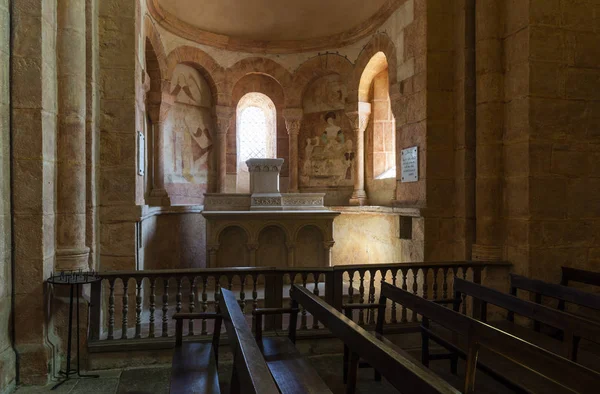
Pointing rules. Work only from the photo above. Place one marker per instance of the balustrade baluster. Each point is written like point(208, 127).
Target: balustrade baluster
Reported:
point(204, 304)
point(425, 285)
point(435, 283)
point(165, 308)
point(405, 288)
point(243, 293)
point(303, 325)
point(192, 304)
point(361, 296)
point(254, 298)
point(371, 312)
point(151, 333)
point(415, 272)
point(394, 317)
point(111, 309)
point(178, 295)
point(125, 308)
point(445, 284)
point(138, 308)
point(464, 300)
point(217, 290)
point(351, 287)
point(315, 325)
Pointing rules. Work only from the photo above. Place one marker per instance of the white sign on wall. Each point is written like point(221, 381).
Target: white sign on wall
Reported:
point(141, 153)
point(410, 164)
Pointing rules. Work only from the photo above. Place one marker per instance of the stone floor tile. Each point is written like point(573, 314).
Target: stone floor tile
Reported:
point(145, 381)
point(99, 386)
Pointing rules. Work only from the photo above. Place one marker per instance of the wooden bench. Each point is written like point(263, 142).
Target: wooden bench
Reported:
point(194, 368)
point(520, 365)
point(293, 373)
point(400, 369)
point(559, 292)
point(250, 373)
point(573, 327)
point(577, 275)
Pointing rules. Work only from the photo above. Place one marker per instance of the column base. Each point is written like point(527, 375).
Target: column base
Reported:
point(486, 253)
point(158, 197)
point(359, 198)
point(72, 258)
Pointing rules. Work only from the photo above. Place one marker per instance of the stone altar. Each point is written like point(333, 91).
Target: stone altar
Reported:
point(268, 228)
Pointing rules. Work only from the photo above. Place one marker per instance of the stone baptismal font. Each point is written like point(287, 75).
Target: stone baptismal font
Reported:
point(268, 228)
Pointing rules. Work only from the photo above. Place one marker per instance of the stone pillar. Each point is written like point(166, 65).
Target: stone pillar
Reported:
point(359, 121)
point(252, 247)
point(158, 116)
point(71, 252)
point(489, 131)
point(328, 245)
point(291, 246)
point(212, 255)
point(223, 116)
point(293, 121)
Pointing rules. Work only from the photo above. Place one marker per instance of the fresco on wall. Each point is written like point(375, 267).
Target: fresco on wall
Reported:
point(188, 132)
point(326, 140)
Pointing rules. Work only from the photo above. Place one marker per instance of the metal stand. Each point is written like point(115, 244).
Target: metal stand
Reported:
point(74, 283)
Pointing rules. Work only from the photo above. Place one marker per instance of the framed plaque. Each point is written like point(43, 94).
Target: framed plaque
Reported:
point(141, 153)
point(410, 164)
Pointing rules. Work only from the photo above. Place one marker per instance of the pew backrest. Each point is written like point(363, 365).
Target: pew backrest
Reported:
point(251, 372)
point(399, 370)
point(573, 326)
point(549, 365)
point(579, 275)
point(552, 290)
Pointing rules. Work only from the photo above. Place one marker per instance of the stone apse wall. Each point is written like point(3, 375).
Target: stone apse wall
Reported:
point(501, 99)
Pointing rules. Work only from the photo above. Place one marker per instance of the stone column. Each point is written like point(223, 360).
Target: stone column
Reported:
point(223, 116)
point(71, 249)
point(489, 131)
point(359, 121)
point(293, 121)
point(291, 246)
point(158, 116)
point(328, 245)
point(252, 247)
point(212, 255)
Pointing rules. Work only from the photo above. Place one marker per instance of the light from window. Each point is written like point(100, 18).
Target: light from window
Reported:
point(253, 134)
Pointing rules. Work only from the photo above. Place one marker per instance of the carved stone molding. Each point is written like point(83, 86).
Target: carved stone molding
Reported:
point(293, 120)
point(223, 115)
point(264, 165)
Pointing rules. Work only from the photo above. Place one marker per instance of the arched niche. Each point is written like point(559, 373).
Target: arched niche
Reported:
point(309, 251)
point(272, 250)
point(189, 133)
point(233, 250)
point(256, 134)
point(380, 135)
point(326, 141)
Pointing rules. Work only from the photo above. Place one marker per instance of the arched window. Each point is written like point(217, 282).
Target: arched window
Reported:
point(256, 134)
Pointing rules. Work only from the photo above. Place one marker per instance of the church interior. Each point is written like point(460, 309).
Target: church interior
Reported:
point(333, 196)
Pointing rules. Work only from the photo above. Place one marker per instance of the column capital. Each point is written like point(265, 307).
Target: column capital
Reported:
point(223, 115)
point(359, 119)
point(252, 246)
point(328, 244)
point(293, 120)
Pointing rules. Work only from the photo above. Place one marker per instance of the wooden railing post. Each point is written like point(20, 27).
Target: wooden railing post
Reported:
point(95, 311)
point(273, 298)
point(477, 311)
point(334, 287)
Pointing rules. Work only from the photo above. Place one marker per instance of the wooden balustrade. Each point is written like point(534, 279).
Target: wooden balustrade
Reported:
point(198, 290)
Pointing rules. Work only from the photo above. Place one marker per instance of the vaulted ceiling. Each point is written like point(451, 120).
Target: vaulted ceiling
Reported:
point(272, 25)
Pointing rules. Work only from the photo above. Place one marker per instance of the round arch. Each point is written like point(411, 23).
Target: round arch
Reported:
point(380, 42)
point(314, 68)
point(259, 65)
point(204, 64)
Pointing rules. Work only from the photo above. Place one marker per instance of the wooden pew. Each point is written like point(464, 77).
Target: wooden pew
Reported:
point(573, 327)
point(520, 365)
point(562, 293)
point(404, 372)
point(293, 373)
point(250, 373)
point(194, 368)
point(577, 275)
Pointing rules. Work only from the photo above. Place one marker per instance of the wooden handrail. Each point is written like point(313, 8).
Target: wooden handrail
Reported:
point(400, 370)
